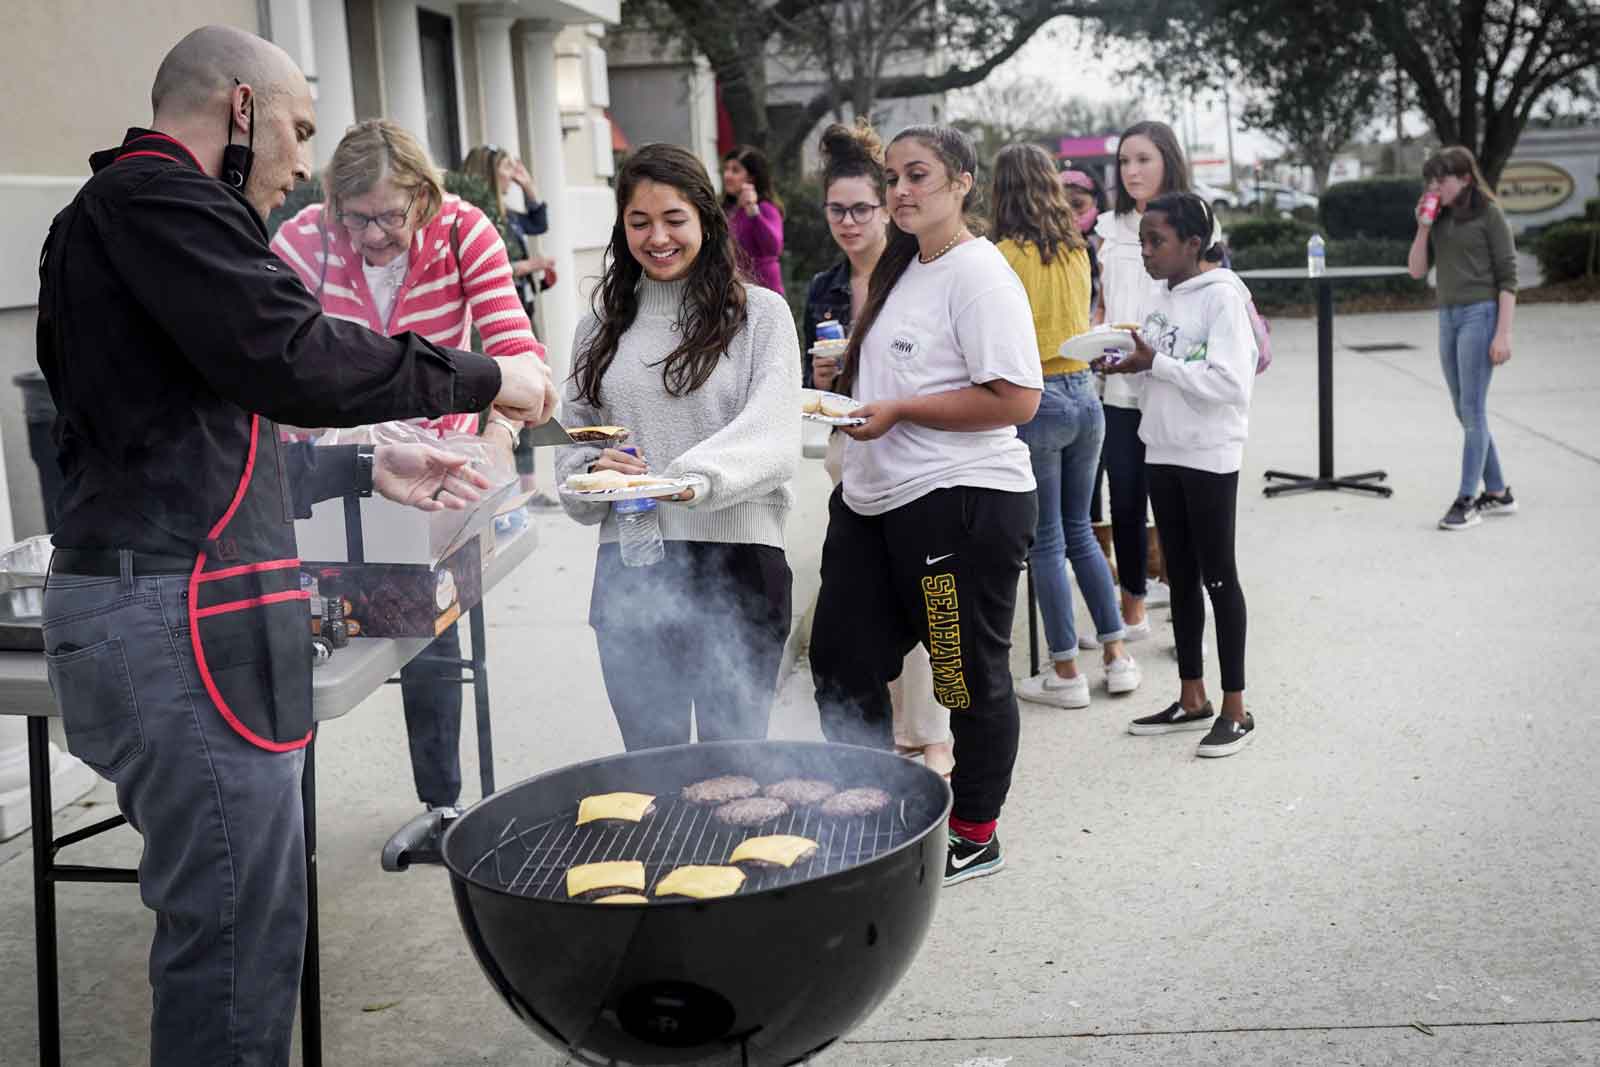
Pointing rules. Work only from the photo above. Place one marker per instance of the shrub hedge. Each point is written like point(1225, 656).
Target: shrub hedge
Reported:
point(1372, 207)
point(1255, 232)
point(1569, 250)
point(1359, 251)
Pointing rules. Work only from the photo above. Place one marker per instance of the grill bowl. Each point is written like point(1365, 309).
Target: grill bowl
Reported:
point(769, 976)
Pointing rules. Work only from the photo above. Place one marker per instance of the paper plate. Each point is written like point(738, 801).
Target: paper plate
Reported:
point(1096, 343)
point(820, 396)
point(668, 487)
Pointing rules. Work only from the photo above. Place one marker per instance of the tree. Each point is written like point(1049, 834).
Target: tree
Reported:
point(857, 39)
point(1475, 68)
point(1006, 109)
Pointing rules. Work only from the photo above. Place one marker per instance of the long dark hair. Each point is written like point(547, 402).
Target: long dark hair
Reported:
point(1030, 206)
point(754, 161)
point(1458, 161)
point(1189, 216)
point(713, 309)
point(955, 151)
point(852, 152)
point(1174, 168)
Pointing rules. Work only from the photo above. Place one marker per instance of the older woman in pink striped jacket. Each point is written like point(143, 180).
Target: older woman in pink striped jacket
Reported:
point(392, 251)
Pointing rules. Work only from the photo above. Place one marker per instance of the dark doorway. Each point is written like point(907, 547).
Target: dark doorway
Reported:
point(439, 86)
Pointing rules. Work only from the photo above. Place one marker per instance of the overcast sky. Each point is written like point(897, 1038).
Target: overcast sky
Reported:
point(1097, 75)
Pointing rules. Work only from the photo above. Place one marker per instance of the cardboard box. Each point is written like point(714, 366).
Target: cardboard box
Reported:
point(401, 599)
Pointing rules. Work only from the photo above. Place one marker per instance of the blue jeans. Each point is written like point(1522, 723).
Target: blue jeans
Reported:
point(224, 863)
point(430, 693)
point(1465, 331)
point(1064, 441)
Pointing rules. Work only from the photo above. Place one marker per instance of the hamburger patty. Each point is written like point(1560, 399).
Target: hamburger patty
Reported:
point(854, 803)
point(721, 790)
point(800, 792)
point(752, 811)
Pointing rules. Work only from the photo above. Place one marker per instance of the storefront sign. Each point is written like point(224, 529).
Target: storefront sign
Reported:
point(1528, 186)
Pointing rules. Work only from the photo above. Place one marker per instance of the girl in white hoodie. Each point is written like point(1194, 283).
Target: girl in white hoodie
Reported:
point(1200, 354)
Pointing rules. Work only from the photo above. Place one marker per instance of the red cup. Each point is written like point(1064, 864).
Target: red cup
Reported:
point(1429, 209)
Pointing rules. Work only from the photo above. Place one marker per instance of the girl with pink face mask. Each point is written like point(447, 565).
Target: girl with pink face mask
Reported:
point(1086, 196)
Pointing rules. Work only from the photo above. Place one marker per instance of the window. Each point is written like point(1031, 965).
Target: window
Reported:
point(439, 86)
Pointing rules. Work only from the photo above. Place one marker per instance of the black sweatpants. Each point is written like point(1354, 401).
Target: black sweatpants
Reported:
point(1195, 512)
point(942, 570)
point(702, 631)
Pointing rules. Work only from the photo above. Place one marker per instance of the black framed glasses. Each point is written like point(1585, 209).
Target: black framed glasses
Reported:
point(861, 213)
point(355, 221)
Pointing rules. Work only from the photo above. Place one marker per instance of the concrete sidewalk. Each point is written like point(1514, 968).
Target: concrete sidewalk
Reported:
point(1401, 869)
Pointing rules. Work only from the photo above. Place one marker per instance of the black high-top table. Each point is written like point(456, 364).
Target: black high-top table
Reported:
point(1324, 479)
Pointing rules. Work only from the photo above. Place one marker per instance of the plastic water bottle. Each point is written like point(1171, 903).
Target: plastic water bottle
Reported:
point(639, 532)
point(639, 529)
point(1316, 256)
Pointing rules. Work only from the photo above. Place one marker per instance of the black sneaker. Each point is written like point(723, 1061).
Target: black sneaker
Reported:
point(1504, 504)
point(1462, 513)
point(1227, 737)
point(1173, 720)
point(969, 859)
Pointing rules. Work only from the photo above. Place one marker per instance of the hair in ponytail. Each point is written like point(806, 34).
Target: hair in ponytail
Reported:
point(955, 151)
point(1189, 216)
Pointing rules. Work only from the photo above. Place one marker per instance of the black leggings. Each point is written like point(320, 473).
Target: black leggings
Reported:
point(1123, 453)
point(941, 570)
point(1195, 511)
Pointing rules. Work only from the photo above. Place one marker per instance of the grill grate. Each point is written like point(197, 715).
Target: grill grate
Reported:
point(532, 861)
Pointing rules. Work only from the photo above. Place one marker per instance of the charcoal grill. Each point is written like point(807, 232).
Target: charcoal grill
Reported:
point(769, 976)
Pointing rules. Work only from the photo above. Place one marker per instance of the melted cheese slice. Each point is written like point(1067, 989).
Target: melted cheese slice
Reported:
point(629, 807)
point(781, 850)
point(621, 874)
point(624, 898)
point(594, 481)
point(701, 882)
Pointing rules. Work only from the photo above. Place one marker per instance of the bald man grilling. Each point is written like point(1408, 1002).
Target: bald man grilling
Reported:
point(176, 632)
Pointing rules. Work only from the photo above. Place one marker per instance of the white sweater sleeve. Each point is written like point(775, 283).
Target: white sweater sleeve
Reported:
point(759, 449)
point(575, 459)
point(1227, 371)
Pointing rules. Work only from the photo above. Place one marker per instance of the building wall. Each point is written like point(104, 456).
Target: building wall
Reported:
point(1575, 151)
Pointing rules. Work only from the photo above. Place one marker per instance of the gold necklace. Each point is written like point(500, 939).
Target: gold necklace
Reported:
point(948, 246)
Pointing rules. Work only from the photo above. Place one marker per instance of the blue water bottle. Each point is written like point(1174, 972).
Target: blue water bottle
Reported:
point(639, 529)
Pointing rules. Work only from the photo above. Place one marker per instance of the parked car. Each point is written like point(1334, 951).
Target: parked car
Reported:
point(1219, 198)
point(1277, 196)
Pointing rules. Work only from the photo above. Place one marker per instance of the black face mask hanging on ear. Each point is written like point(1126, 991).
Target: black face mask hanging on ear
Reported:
point(237, 159)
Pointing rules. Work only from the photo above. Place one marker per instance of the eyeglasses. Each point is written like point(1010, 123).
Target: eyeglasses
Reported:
point(861, 213)
point(355, 222)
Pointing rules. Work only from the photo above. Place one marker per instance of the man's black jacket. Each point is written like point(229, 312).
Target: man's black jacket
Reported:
point(165, 321)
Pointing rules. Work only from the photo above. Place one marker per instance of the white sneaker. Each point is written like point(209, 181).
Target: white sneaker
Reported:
point(1087, 642)
point(1156, 593)
point(1047, 687)
point(1123, 675)
point(1137, 631)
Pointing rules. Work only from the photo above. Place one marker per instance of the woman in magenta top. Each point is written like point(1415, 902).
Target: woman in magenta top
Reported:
point(755, 214)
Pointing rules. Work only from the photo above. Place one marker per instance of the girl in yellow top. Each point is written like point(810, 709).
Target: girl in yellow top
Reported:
point(1036, 231)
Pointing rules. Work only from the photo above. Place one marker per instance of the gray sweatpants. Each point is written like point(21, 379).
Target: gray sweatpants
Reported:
point(224, 839)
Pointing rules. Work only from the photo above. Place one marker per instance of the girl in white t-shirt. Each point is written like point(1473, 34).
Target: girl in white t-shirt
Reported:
point(1149, 163)
point(929, 530)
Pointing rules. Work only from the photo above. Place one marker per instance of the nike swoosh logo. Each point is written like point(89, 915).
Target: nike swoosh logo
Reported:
point(958, 864)
point(931, 560)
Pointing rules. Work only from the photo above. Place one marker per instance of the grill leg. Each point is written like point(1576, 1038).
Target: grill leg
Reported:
point(311, 969)
point(480, 699)
point(44, 891)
